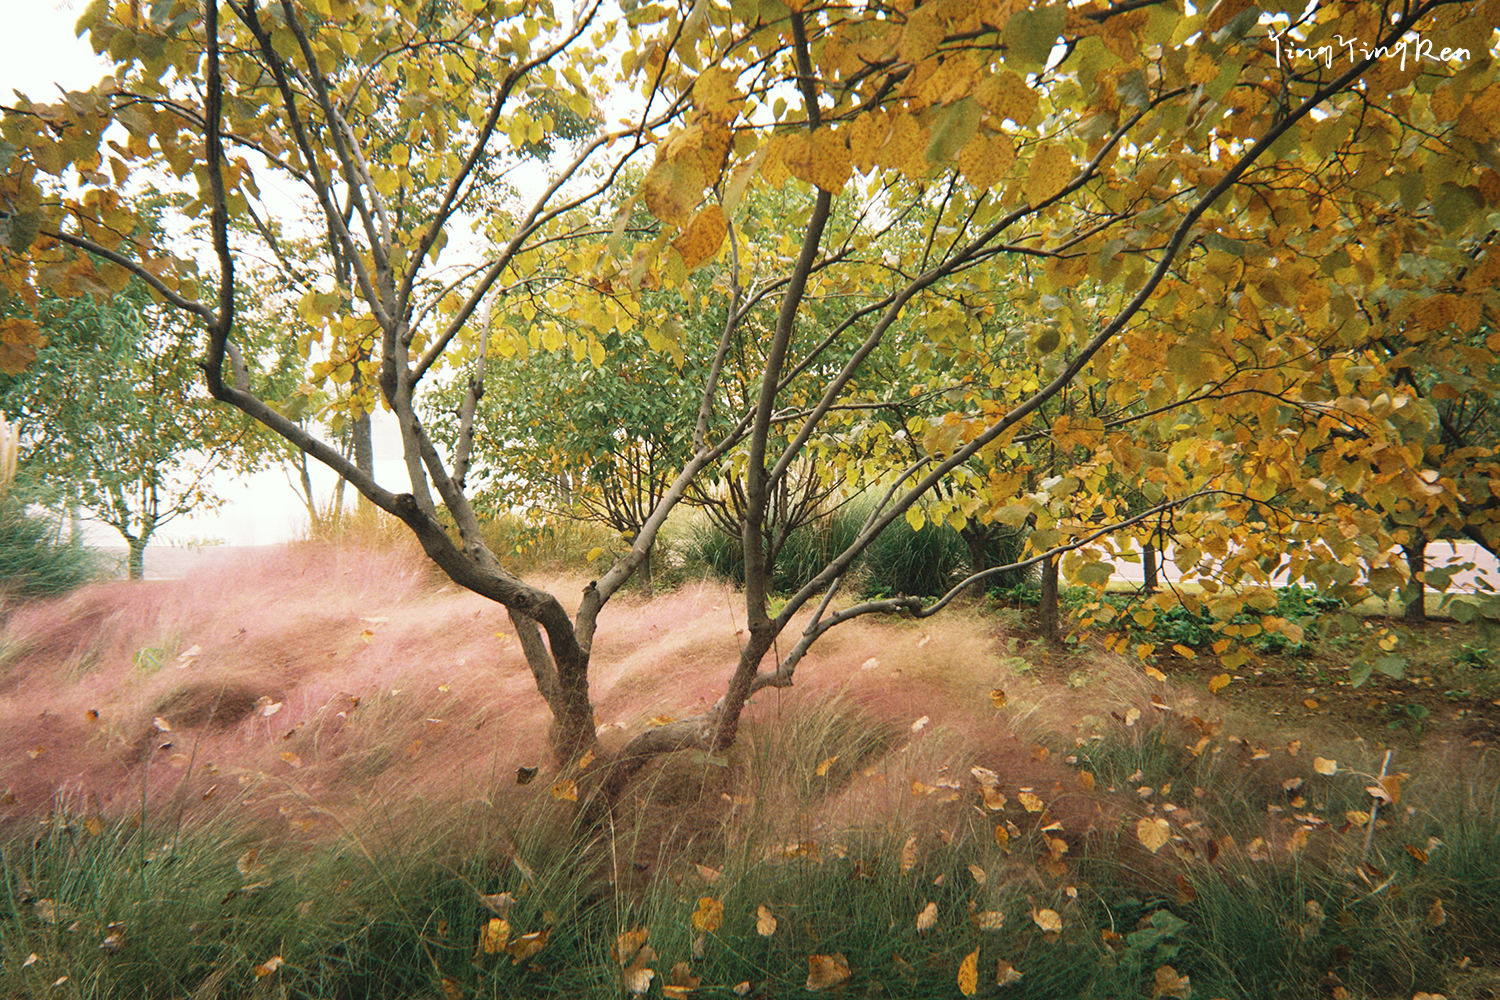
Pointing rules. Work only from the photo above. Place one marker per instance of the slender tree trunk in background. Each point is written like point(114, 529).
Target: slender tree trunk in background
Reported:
point(1047, 612)
point(1148, 565)
point(137, 559)
point(1416, 564)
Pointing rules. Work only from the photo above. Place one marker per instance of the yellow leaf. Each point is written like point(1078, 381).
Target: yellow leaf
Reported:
point(565, 790)
point(821, 158)
point(968, 974)
point(527, 945)
point(997, 698)
point(989, 920)
point(1049, 921)
point(1006, 974)
point(823, 766)
point(1154, 833)
point(765, 921)
point(1051, 170)
point(659, 720)
point(1437, 916)
point(927, 919)
point(1031, 801)
point(1086, 779)
point(978, 873)
point(1218, 683)
point(1325, 766)
point(1002, 836)
point(629, 944)
point(638, 980)
point(595, 553)
point(824, 971)
point(269, 966)
point(709, 915)
point(1155, 674)
point(494, 936)
point(1170, 984)
point(1186, 652)
point(702, 237)
point(909, 854)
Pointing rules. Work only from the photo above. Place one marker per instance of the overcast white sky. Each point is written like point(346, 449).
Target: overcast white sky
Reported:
point(38, 51)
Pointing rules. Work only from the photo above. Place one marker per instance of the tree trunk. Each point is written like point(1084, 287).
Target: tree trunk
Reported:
point(977, 539)
point(137, 559)
point(1047, 611)
point(645, 571)
point(1416, 565)
point(1148, 567)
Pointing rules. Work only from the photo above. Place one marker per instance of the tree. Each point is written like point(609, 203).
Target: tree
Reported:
point(113, 418)
point(1238, 202)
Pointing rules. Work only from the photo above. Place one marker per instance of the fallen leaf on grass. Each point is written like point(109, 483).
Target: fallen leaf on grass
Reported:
point(989, 920)
point(765, 922)
point(968, 974)
point(997, 698)
point(565, 790)
point(1048, 920)
point(927, 919)
point(269, 966)
point(1170, 984)
point(1325, 767)
point(709, 915)
point(1437, 916)
point(1006, 974)
point(494, 936)
point(527, 945)
point(824, 971)
point(498, 903)
point(1154, 833)
point(1218, 683)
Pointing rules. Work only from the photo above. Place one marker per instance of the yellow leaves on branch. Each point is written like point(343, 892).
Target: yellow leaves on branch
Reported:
point(701, 238)
point(1051, 170)
point(819, 158)
point(687, 162)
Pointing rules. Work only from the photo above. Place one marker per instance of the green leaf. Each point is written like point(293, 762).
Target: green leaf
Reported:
point(1392, 666)
point(956, 125)
point(23, 229)
point(1454, 206)
point(1030, 35)
point(1359, 672)
point(1095, 574)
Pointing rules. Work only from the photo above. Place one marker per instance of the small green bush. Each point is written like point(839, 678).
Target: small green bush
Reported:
point(34, 562)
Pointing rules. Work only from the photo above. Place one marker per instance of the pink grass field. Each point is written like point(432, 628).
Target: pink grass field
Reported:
point(301, 685)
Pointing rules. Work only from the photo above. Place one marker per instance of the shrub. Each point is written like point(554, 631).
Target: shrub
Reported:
point(34, 562)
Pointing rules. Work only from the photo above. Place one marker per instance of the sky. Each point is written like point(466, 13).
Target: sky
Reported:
point(39, 51)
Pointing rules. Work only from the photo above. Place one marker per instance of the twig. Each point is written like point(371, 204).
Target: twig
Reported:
point(1375, 807)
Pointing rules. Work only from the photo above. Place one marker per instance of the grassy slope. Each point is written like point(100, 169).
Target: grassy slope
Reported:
point(312, 756)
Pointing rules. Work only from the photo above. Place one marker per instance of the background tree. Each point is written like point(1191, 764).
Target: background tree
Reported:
point(1198, 167)
point(113, 418)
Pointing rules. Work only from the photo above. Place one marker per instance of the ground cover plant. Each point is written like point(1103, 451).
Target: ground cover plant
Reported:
point(211, 793)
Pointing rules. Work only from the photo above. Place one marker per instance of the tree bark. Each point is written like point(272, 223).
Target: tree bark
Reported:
point(1148, 566)
point(137, 558)
point(1047, 612)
